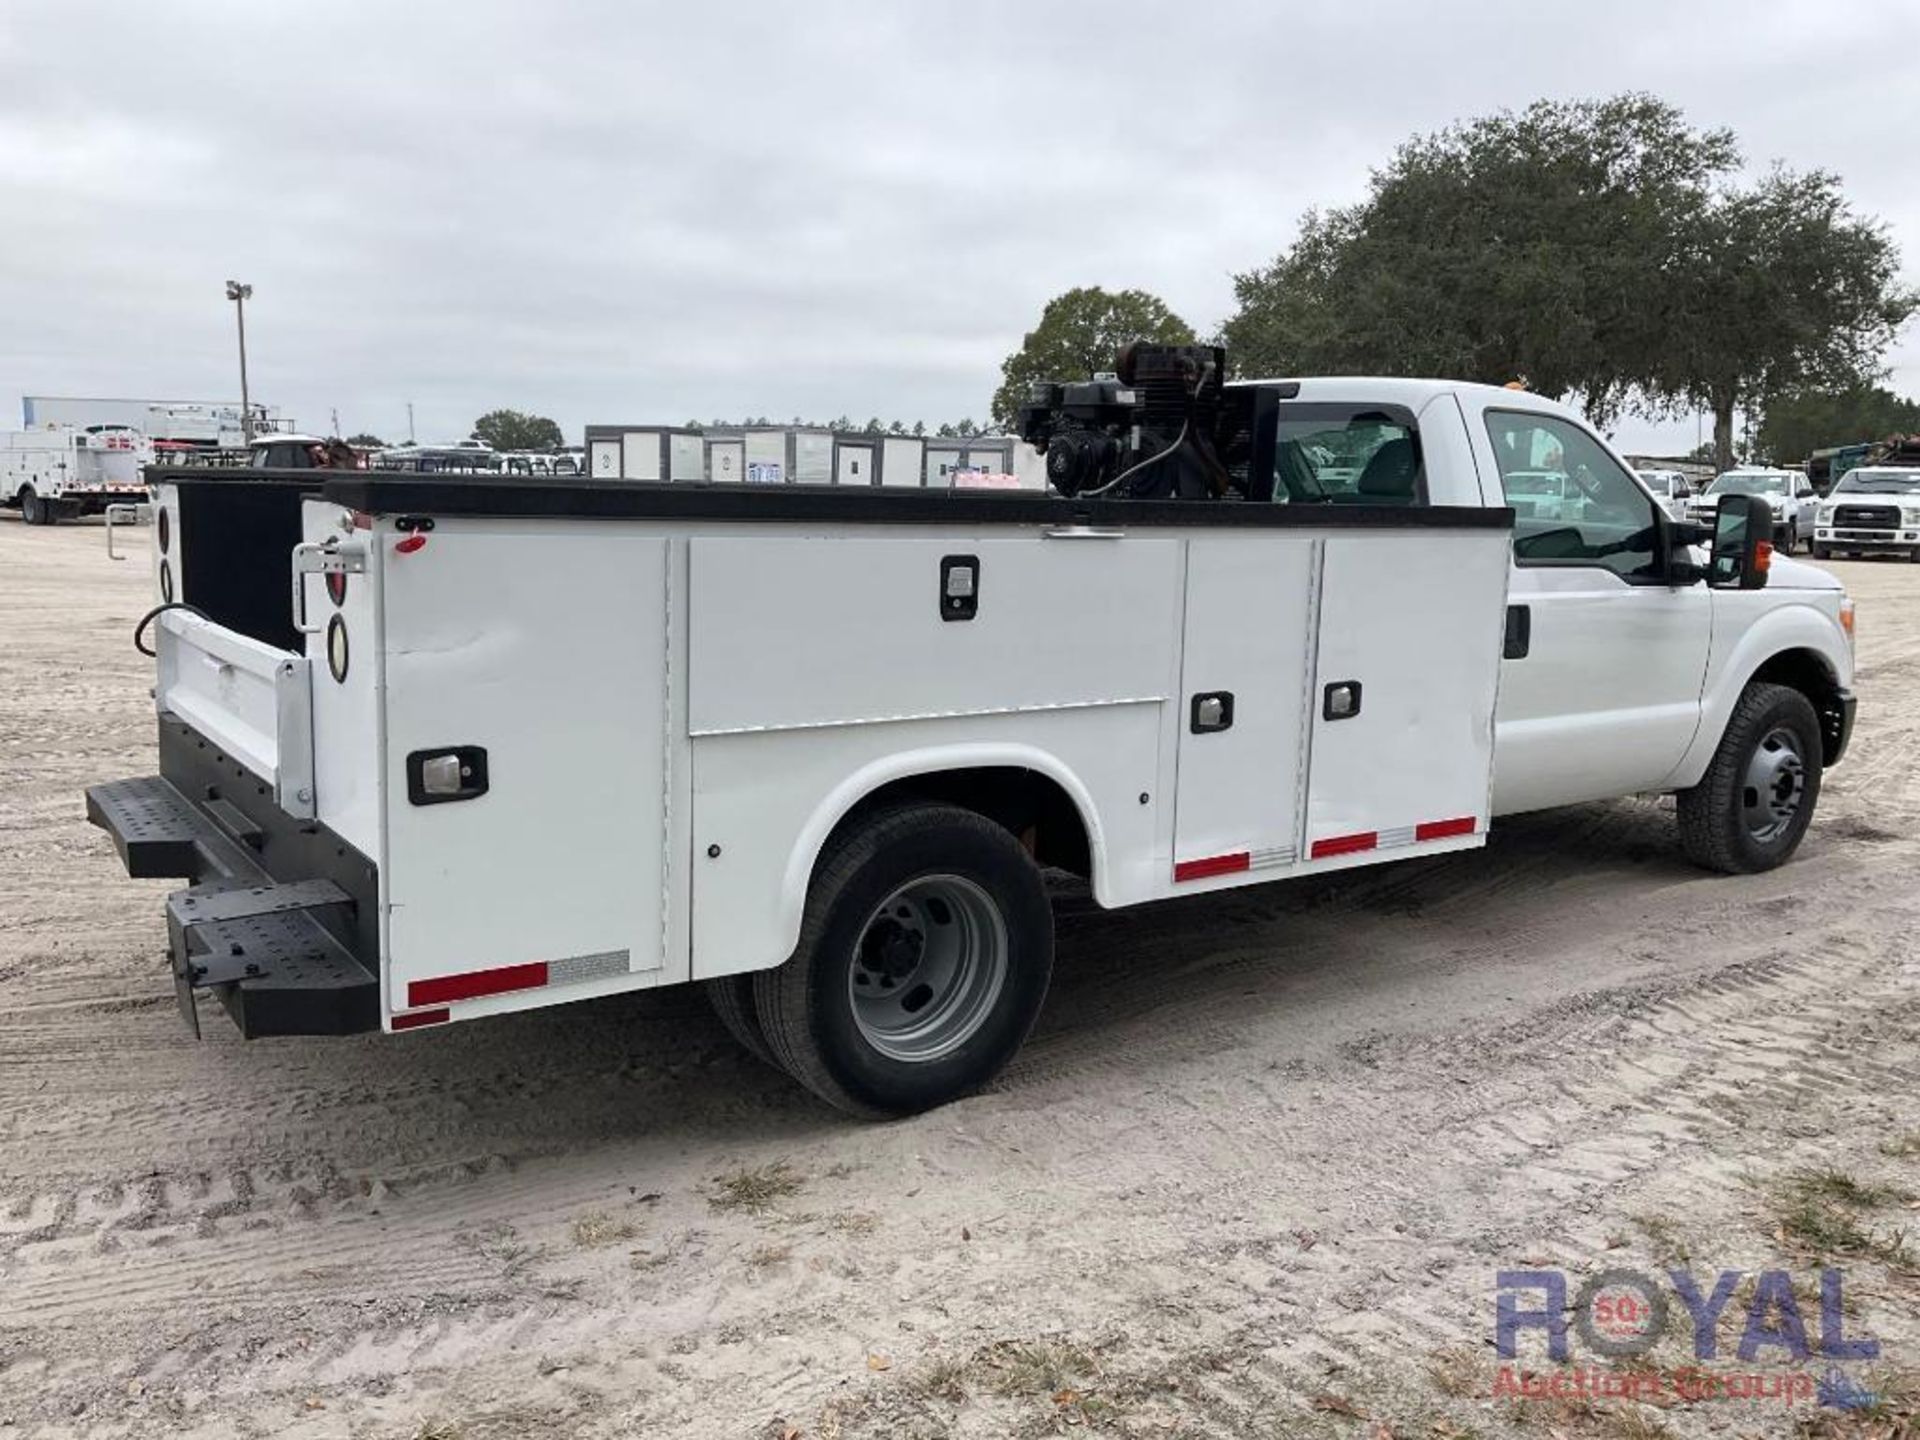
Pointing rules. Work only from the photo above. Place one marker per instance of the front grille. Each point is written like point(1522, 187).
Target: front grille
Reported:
point(1878, 517)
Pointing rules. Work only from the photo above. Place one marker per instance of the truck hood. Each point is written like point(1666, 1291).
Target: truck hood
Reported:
point(1786, 573)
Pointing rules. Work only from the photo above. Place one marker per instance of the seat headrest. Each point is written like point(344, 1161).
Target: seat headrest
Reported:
point(1392, 470)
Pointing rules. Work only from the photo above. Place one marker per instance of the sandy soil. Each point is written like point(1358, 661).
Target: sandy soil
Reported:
point(1254, 1176)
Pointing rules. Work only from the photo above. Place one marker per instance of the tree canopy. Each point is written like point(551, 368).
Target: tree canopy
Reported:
point(1797, 424)
point(1780, 288)
point(513, 430)
point(1596, 249)
point(370, 442)
point(1079, 333)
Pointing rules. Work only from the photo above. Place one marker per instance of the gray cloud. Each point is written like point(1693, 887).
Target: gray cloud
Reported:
point(644, 212)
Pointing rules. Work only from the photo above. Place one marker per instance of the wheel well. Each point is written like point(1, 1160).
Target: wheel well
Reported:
point(1033, 807)
point(1807, 672)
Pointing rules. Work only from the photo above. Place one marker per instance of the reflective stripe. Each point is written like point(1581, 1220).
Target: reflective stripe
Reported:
point(474, 983)
point(1212, 865)
point(419, 1018)
point(1344, 844)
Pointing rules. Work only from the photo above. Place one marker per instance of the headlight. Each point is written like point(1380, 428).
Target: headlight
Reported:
point(1910, 514)
point(1824, 515)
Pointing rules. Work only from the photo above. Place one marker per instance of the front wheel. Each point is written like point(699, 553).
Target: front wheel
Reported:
point(34, 510)
point(924, 957)
point(1751, 809)
point(1822, 552)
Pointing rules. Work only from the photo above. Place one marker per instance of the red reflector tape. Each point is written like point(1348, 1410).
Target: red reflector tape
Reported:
point(1441, 829)
point(475, 983)
point(419, 1018)
point(1213, 865)
point(1344, 844)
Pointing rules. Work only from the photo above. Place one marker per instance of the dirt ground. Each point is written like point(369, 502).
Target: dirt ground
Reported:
point(1256, 1174)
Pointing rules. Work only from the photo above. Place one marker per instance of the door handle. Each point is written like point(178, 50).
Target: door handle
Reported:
point(1340, 700)
point(1519, 632)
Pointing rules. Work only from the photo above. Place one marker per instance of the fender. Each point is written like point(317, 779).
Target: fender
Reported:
point(1800, 625)
point(929, 760)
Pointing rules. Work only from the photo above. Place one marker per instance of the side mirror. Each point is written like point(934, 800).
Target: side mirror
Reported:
point(1742, 543)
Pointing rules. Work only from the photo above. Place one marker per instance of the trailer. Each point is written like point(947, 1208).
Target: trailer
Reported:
point(60, 472)
point(438, 749)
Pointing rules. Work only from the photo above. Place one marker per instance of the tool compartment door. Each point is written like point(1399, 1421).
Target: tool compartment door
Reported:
point(1247, 660)
point(1408, 665)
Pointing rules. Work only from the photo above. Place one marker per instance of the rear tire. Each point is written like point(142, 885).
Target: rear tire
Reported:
point(732, 999)
point(1752, 808)
point(924, 958)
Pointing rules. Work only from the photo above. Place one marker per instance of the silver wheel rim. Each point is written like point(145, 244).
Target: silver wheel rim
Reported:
point(1775, 784)
point(928, 968)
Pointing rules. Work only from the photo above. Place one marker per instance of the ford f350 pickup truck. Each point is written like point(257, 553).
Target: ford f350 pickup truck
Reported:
point(435, 749)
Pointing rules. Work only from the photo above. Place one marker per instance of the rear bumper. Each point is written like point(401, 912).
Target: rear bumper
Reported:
point(281, 920)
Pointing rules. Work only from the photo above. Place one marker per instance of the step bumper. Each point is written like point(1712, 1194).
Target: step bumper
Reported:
point(285, 953)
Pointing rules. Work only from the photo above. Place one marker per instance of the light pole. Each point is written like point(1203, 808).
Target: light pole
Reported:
point(239, 294)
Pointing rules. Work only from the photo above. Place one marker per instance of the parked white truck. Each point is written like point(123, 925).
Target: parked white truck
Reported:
point(59, 472)
point(1789, 495)
point(435, 749)
point(1871, 509)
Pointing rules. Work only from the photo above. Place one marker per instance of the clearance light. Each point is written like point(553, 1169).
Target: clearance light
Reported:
point(409, 545)
point(1846, 618)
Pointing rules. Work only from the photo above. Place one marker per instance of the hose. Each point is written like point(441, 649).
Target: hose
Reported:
point(147, 619)
point(1193, 400)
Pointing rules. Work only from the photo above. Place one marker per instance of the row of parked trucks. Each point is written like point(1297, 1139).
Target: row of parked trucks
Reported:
point(437, 748)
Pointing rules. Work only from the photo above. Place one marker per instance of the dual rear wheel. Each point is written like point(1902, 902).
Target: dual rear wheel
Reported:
point(925, 953)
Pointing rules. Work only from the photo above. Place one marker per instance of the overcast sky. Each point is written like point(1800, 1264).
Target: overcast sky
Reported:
point(637, 212)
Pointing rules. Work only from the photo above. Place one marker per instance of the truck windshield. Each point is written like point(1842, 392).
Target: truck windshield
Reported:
point(1732, 484)
point(1881, 484)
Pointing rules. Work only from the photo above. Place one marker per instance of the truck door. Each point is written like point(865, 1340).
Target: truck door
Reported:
point(1604, 661)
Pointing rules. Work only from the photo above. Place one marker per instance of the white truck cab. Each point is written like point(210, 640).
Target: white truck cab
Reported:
point(519, 741)
point(1788, 493)
point(1671, 488)
point(1871, 510)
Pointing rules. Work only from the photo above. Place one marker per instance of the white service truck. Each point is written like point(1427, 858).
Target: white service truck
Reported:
point(62, 471)
point(435, 749)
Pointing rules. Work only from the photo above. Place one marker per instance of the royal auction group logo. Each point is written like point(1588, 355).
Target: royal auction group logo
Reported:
point(1782, 1352)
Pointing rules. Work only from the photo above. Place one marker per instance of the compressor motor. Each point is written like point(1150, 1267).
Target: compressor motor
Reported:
point(1148, 431)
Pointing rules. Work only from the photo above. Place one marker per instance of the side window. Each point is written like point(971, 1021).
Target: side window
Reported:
point(1573, 504)
point(1326, 454)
